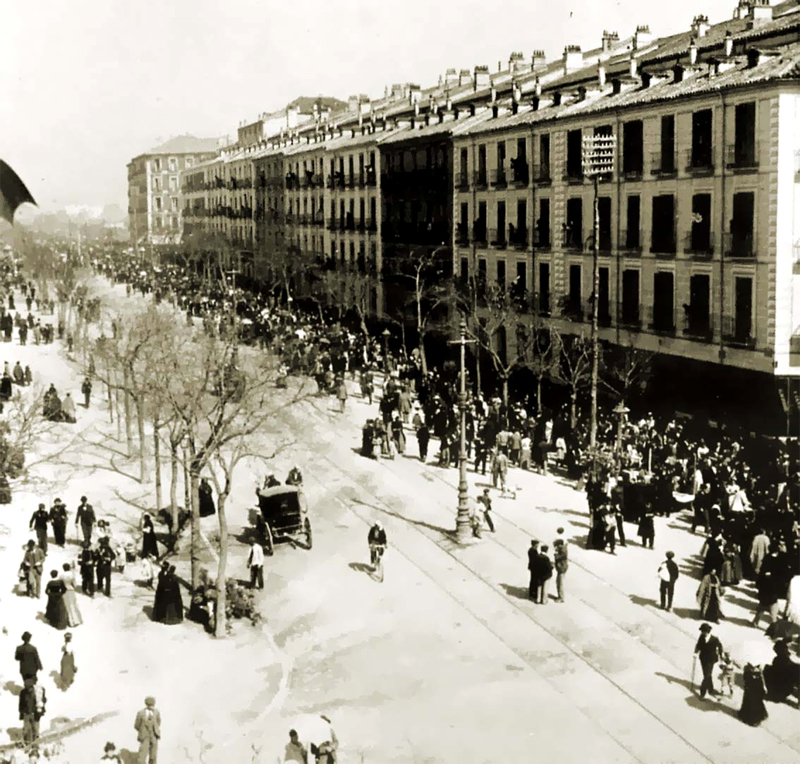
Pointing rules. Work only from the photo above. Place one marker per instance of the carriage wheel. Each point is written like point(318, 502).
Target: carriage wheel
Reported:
point(307, 528)
point(269, 546)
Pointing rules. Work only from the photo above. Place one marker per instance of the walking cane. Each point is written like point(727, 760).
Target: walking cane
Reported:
point(694, 667)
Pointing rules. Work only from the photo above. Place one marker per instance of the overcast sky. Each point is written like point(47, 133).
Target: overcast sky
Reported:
point(88, 84)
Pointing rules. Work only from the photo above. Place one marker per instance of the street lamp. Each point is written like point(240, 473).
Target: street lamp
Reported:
point(386, 334)
point(598, 160)
point(621, 412)
point(463, 524)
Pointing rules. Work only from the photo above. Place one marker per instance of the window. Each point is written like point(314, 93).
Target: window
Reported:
point(743, 310)
point(741, 236)
point(698, 317)
point(373, 214)
point(633, 148)
point(603, 305)
point(744, 148)
point(521, 282)
point(633, 239)
point(501, 156)
point(521, 229)
point(463, 226)
point(574, 308)
point(341, 251)
point(463, 167)
point(663, 301)
point(543, 224)
point(464, 270)
point(544, 288)
point(500, 236)
point(544, 158)
point(481, 179)
point(189, 161)
point(501, 274)
point(157, 185)
point(174, 203)
point(157, 165)
point(604, 215)
point(519, 165)
point(574, 225)
point(574, 155)
point(630, 297)
point(663, 241)
point(362, 211)
point(158, 204)
point(174, 221)
point(173, 164)
point(702, 148)
point(480, 223)
point(481, 273)
point(700, 236)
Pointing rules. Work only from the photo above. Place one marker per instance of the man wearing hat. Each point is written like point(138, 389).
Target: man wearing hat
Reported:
point(148, 725)
point(28, 656)
point(709, 650)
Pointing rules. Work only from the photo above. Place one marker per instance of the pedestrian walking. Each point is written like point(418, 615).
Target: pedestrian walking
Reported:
point(85, 517)
point(74, 617)
point(32, 566)
point(753, 711)
point(86, 389)
point(668, 574)
point(423, 438)
point(341, 394)
point(560, 563)
point(486, 501)
point(647, 528)
point(39, 523)
point(255, 561)
point(59, 519)
point(533, 568)
point(56, 611)
point(609, 528)
point(708, 650)
point(67, 668)
point(148, 727)
point(104, 561)
point(28, 658)
point(545, 574)
point(32, 702)
point(86, 563)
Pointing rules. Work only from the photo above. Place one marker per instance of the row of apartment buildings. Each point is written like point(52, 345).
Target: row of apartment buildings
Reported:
point(698, 220)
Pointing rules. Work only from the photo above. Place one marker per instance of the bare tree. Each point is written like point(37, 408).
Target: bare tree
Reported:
point(538, 351)
point(574, 368)
point(626, 369)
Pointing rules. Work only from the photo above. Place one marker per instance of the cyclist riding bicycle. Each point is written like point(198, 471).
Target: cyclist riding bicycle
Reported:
point(376, 540)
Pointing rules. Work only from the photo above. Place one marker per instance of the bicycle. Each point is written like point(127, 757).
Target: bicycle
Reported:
point(376, 559)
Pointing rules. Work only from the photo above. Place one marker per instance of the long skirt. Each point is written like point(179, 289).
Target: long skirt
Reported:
point(67, 669)
point(74, 617)
point(56, 611)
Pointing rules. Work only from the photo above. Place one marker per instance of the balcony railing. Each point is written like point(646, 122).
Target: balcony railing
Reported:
point(480, 236)
point(520, 173)
point(462, 236)
point(361, 225)
point(479, 177)
point(518, 237)
point(573, 176)
point(629, 315)
point(372, 225)
point(634, 170)
point(699, 244)
point(499, 178)
point(463, 181)
point(573, 240)
point(738, 332)
point(664, 245)
point(333, 224)
point(497, 237)
point(541, 173)
point(698, 326)
point(660, 321)
point(699, 163)
point(742, 158)
point(572, 308)
point(330, 181)
point(542, 239)
point(350, 181)
point(631, 242)
point(737, 245)
point(371, 176)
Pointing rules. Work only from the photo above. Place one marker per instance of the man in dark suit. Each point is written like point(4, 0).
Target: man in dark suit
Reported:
point(709, 650)
point(104, 559)
point(85, 517)
point(148, 725)
point(28, 657)
point(533, 567)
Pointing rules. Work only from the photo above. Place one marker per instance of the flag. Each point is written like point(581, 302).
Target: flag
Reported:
point(12, 192)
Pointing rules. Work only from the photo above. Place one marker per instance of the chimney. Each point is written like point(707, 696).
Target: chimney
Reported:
point(601, 74)
point(609, 39)
point(397, 92)
point(693, 52)
point(741, 10)
point(352, 103)
point(537, 88)
point(482, 79)
point(414, 94)
point(573, 59)
point(538, 59)
point(516, 62)
point(700, 26)
point(728, 44)
point(450, 77)
point(643, 37)
point(633, 66)
point(516, 93)
point(464, 78)
point(760, 12)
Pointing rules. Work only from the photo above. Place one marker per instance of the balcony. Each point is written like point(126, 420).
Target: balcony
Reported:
point(699, 244)
point(635, 170)
point(700, 162)
point(338, 179)
point(499, 178)
point(497, 238)
point(573, 177)
point(520, 173)
point(572, 308)
point(742, 158)
point(333, 224)
point(540, 304)
point(661, 321)
point(463, 181)
point(462, 235)
point(631, 242)
point(350, 222)
point(573, 241)
point(479, 234)
point(480, 179)
point(542, 240)
point(350, 181)
point(518, 237)
point(292, 182)
point(362, 180)
point(330, 181)
point(541, 174)
point(739, 246)
point(664, 246)
point(371, 225)
point(697, 327)
point(371, 176)
point(361, 225)
point(629, 315)
point(738, 332)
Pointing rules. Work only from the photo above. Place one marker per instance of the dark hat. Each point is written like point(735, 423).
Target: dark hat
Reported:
point(26, 635)
point(149, 701)
point(705, 628)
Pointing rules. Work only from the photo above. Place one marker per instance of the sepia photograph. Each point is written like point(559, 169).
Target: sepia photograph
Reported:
point(400, 383)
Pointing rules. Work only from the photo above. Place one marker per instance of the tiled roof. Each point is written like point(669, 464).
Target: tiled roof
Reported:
point(185, 144)
point(451, 127)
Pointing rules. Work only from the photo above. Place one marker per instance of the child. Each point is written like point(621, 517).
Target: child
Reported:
point(110, 754)
point(148, 573)
point(726, 669)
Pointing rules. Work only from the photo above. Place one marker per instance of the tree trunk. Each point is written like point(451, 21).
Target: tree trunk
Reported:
point(173, 486)
point(573, 409)
point(423, 358)
point(139, 405)
point(539, 394)
point(128, 413)
point(197, 541)
point(505, 391)
point(220, 629)
point(157, 464)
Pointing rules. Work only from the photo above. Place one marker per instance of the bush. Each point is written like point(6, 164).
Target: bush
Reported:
point(240, 603)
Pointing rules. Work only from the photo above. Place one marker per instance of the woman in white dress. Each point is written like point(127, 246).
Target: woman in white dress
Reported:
point(74, 617)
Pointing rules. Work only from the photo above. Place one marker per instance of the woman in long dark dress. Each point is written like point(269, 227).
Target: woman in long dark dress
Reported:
point(68, 668)
point(56, 610)
point(753, 710)
point(782, 676)
point(709, 597)
point(173, 604)
point(206, 493)
point(149, 542)
point(159, 602)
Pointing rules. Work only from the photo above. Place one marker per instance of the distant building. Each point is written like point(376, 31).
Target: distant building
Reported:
point(154, 195)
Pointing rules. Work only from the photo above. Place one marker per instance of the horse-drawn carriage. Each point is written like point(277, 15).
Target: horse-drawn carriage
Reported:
point(282, 515)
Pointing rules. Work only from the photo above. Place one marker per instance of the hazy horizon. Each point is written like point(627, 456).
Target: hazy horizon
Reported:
point(105, 82)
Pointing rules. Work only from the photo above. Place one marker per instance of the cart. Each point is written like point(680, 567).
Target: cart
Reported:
point(282, 515)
